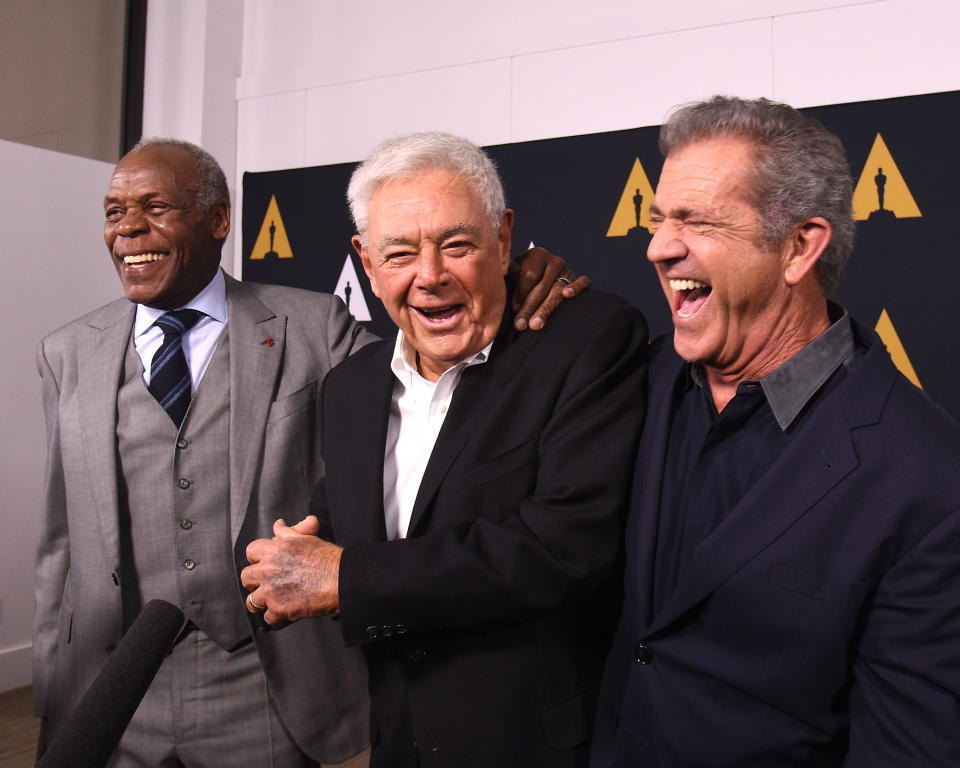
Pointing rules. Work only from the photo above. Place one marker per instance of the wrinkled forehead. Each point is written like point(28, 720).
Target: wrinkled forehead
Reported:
point(705, 173)
point(440, 197)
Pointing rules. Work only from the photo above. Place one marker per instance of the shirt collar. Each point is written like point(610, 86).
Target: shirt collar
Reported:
point(212, 301)
point(792, 385)
point(404, 362)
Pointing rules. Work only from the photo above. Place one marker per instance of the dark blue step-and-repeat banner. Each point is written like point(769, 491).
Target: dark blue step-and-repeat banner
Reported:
point(587, 198)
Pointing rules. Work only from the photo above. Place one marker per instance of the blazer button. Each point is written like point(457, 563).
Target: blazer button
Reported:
point(182, 443)
point(186, 524)
point(183, 483)
point(642, 653)
point(373, 632)
point(189, 564)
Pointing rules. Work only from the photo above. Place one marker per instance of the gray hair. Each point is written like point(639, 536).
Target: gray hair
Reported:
point(800, 169)
point(211, 183)
point(403, 157)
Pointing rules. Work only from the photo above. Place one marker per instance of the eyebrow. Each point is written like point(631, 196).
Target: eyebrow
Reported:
point(460, 228)
point(678, 213)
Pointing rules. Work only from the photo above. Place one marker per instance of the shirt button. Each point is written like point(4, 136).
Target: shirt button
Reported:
point(642, 653)
point(181, 443)
point(183, 483)
point(189, 564)
point(443, 409)
point(186, 524)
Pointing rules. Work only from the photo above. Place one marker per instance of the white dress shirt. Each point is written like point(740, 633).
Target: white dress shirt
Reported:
point(199, 343)
point(417, 410)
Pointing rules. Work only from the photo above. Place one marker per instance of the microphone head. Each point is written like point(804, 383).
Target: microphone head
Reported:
point(89, 736)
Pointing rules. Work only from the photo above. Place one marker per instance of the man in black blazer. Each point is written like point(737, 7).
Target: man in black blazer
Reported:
point(476, 482)
point(793, 548)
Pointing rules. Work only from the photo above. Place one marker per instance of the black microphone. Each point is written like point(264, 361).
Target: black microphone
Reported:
point(89, 736)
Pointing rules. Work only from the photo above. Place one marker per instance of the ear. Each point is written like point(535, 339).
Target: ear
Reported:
point(504, 237)
point(367, 263)
point(220, 221)
point(806, 246)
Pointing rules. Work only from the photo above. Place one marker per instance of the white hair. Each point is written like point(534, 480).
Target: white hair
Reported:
point(406, 156)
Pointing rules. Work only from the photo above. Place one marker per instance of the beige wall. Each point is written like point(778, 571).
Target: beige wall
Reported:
point(62, 83)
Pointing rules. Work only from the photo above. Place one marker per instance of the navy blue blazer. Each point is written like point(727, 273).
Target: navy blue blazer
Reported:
point(820, 623)
point(486, 629)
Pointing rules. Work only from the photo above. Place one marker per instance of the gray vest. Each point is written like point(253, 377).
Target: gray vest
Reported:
point(175, 502)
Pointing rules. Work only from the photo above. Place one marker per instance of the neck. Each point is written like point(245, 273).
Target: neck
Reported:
point(791, 333)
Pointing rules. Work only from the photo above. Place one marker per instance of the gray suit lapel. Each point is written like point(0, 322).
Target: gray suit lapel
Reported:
point(256, 338)
point(101, 349)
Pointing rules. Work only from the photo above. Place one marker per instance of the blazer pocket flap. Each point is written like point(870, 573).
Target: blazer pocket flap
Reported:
point(293, 403)
point(816, 585)
point(495, 467)
point(570, 723)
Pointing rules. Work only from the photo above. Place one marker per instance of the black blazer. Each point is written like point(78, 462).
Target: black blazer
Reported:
point(485, 629)
point(819, 625)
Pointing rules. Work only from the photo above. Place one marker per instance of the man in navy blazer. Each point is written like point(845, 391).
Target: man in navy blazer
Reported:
point(793, 548)
point(477, 480)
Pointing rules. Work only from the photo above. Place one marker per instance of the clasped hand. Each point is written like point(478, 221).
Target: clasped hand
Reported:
point(294, 575)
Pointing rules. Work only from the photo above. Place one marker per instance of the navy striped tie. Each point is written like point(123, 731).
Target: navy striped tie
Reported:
point(169, 375)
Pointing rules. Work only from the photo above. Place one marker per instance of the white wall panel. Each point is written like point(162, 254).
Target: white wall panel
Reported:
point(635, 82)
point(174, 70)
point(345, 122)
point(56, 268)
point(270, 132)
point(302, 44)
point(876, 51)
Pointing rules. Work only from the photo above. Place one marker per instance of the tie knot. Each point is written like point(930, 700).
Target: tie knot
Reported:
point(177, 322)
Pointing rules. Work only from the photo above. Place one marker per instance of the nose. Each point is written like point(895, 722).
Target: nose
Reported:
point(132, 222)
point(432, 272)
point(666, 245)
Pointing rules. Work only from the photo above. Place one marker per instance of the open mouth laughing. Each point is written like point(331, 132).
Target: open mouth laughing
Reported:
point(439, 315)
point(688, 296)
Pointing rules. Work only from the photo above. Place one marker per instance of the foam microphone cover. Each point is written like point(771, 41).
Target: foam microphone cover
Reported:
point(89, 736)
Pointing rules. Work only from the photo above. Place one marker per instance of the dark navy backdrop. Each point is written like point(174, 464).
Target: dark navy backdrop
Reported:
point(566, 192)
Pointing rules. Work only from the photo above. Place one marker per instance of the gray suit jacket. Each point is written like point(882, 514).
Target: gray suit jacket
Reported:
point(282, 342)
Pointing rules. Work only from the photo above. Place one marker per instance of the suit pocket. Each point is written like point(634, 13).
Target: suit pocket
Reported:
point(293, 403)
point(490, 469)
point(570, 723)
point(814, 585)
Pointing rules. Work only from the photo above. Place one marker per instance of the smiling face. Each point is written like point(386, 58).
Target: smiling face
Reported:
point(437, 263)
point(727, 291)
point(165, 248)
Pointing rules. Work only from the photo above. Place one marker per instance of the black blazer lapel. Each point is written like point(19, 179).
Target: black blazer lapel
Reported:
point(467, 411)
point(363, 429)
point(642, 523)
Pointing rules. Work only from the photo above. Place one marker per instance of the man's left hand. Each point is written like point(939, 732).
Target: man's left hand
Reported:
point(541, 282)
point(294, 575)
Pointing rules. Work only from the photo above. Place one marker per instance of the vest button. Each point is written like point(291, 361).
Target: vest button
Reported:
point(189, 564)
point(181, 443)
point(183, 483)
point(186, 524)
point(642, 653)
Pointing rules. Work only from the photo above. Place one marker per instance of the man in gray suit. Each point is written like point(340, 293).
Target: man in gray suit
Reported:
point(154, 491)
